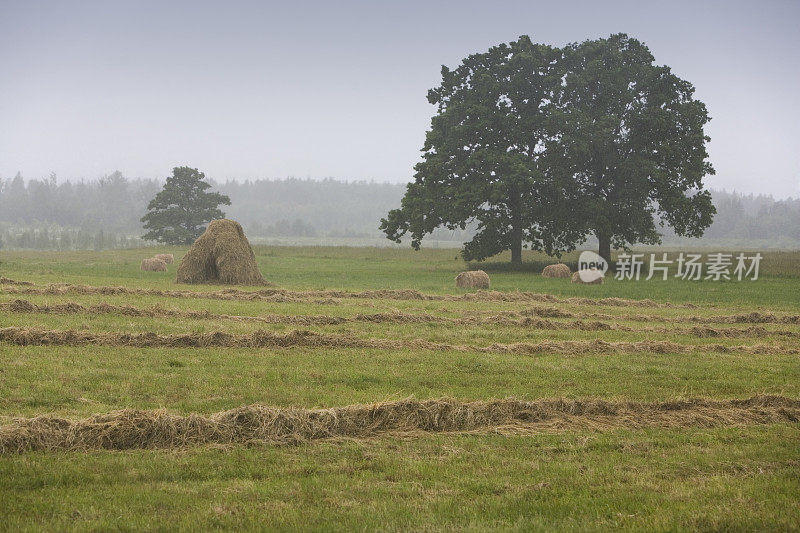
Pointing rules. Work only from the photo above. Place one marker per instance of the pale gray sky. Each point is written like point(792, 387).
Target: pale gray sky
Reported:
point(258, 89)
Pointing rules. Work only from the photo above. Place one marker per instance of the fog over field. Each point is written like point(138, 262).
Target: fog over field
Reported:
point(399, 266)
point(48, 214)
point(317, 89)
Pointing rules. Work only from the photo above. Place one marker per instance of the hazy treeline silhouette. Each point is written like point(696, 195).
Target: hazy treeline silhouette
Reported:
point(106, 213)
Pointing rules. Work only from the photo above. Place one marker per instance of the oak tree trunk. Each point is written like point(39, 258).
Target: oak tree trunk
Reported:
point(604, 250)
point(516, 245)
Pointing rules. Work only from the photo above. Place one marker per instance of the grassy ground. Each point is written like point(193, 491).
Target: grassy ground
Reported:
point(716, 477)
point(427, 270)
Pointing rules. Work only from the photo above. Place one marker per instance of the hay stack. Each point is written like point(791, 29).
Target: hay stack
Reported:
point(154, 264)
point(475, 279)
point(576, 277)
point(559, 270)
point(167, 258)
point(220, 255)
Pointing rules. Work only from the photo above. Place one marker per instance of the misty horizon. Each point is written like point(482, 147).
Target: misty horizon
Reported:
point(214, 181)
point(264, 91)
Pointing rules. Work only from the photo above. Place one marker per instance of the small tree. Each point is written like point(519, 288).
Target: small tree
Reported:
point(179, 213)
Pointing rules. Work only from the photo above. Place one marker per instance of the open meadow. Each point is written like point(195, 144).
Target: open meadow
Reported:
point(362, 390)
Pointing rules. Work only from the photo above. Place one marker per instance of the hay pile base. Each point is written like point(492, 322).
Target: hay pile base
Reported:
point(474, 279)
point(559, 270)
point(220, 255)
point(591, 273)
point(153, 264)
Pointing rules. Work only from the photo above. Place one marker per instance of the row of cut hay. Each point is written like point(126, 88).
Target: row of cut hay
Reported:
point(8, 281)
point(132, 429)
point(157, 311)
point(25, 306)
point(754, 317)
point(301, 338)
point(285, 295)
point(281, 296)
point(551, 311)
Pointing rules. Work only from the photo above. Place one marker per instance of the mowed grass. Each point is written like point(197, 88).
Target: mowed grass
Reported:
point(722, 479)
point(714, 478)
point(428, 270)
point(79, 381)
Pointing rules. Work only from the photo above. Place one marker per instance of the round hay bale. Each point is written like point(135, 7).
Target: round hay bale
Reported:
point(221, 255)
point(559, 270)
point(473, 279)
point(596, 277)
point(167, 258)
point(153, 264)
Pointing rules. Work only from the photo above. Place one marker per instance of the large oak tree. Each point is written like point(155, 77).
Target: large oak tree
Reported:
point(482, 156)
point(628, 135)
point(546, 146)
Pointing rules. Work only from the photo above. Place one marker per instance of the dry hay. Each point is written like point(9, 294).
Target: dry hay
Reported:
point(303, 338)
point(328, 296)
point(529, 318)
point(8, 281)
point(221, 255)
point(473, 279)
point(548, 312)
point(153, 264)
point(594, 275)
point(754, 317)
point(559, 270)
point(167, 258)
point(759, 318)
point(157, 311)
point(258, 424)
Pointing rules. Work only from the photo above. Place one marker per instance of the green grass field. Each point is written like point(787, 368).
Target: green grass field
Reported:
point(712, 471)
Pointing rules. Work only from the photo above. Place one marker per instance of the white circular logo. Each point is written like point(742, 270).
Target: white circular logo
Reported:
point(591, 266)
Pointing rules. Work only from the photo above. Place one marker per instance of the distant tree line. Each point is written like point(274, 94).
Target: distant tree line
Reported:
point(106, 213)
point(52, 237)
point(112, 203)
point(751, 219)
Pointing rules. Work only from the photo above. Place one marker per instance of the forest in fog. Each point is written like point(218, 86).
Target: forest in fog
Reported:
point(106, 213)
